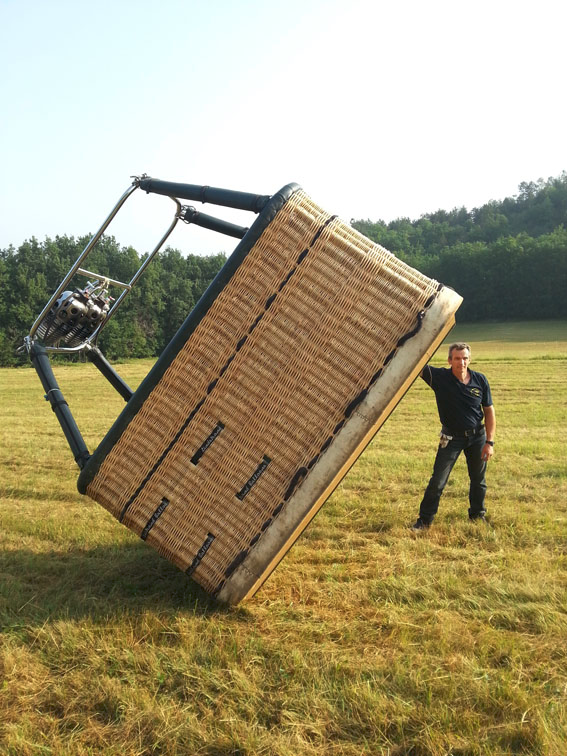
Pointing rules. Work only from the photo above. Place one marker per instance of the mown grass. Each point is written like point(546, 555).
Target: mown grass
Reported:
point(367, 639)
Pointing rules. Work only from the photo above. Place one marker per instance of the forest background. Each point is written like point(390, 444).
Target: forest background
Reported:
point(508, 259)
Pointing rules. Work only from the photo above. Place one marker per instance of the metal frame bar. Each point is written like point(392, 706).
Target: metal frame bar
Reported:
point(112, 281)
point(76, 268)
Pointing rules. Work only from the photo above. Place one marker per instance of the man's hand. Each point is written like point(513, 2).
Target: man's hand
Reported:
point(487, 452)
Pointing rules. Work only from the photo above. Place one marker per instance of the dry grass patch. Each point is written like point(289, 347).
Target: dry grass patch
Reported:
point(367, 639)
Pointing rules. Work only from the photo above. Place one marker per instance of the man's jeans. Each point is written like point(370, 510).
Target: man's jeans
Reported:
point(444, 463)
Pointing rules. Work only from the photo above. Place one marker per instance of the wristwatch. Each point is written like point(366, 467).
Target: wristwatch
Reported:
point(490, 443)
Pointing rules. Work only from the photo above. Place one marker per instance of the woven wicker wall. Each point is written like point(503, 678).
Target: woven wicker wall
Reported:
point(259, 390)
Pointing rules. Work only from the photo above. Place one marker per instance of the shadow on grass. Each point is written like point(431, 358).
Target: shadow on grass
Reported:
point(99, 583)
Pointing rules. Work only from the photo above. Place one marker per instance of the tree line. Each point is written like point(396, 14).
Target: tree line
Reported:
point(151, 314)
point(508, 259)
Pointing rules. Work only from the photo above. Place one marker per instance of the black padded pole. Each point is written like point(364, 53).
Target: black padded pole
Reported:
point(190, 215)
point(55, 397)
point(101, 363)
point(212, 194)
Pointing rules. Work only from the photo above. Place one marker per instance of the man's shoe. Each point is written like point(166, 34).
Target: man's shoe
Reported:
point(420, 524)
point(478, 518)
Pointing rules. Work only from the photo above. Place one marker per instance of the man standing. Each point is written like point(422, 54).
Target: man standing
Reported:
point(464, 401)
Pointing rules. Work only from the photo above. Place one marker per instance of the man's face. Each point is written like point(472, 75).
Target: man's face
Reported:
point(459, 361)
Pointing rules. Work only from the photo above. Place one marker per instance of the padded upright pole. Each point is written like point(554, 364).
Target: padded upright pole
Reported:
point(55, 397)
point(212, 194)
point(190, 215)
point(101, 363)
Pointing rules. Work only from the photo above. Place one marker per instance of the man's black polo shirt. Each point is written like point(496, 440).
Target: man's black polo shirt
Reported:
point(459, 405)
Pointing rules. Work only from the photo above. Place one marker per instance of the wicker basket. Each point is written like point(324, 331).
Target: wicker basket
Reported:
point(269, 392)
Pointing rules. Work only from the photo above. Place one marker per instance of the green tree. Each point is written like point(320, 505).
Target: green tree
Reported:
point(141, 327)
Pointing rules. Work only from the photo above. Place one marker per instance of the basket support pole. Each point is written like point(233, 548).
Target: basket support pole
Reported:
point(101, 363)
point(54, 396)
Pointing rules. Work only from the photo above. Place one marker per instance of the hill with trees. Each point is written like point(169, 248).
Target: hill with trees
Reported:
point(507, 258)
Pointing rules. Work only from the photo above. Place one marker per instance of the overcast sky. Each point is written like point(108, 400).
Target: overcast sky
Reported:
point(378, 109)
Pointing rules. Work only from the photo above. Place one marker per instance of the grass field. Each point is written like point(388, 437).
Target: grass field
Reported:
point(367, 639)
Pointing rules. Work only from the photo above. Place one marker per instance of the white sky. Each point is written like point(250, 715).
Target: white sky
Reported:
point(378, 109)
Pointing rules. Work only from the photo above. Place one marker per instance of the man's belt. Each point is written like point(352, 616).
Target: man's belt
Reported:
point(468, 433)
